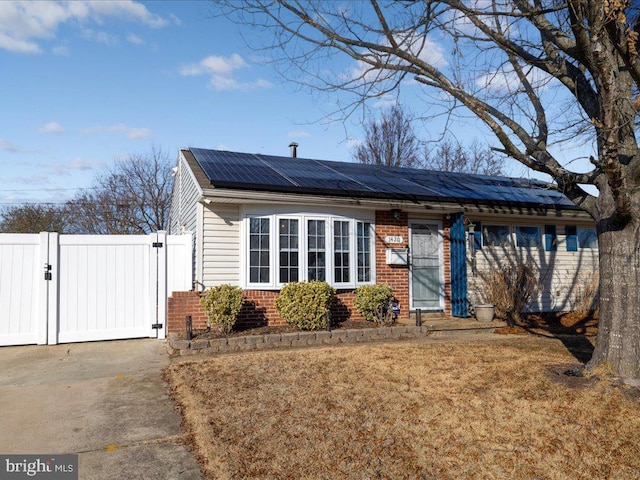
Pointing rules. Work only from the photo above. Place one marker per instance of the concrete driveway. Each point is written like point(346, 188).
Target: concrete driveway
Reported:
point(105, 401)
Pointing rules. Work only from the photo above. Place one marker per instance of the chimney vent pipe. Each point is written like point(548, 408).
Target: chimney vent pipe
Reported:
point(294, 149)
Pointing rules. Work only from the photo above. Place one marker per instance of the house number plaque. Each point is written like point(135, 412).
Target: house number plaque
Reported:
point(393, 239)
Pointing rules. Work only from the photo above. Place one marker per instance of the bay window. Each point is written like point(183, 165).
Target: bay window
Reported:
point(316, 252)
point(259, 256)
point(364, 252)
point(287, 248)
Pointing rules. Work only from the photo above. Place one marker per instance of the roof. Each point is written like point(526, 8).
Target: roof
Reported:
point(268, 173)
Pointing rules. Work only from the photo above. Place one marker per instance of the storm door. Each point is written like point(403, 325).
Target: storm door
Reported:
point(425, 266)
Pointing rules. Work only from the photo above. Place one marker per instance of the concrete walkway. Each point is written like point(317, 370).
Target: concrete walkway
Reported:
point(105, 401)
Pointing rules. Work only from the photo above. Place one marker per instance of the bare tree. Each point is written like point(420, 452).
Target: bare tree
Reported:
point(131, 198)
point(534, 72)
point(390, 141)
point(33, 218)
point(450, 156)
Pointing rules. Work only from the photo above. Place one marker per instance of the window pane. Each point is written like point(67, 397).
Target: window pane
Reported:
point(528, 237)
point(495, 235)
point(288, 247)
point(587, 238)
point(341, 251)
point(316, 251)
point(259, 250)
point(550, 238)
point(364, 251)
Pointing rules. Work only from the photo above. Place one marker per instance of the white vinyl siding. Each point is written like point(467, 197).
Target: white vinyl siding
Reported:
point(563, 273)
point(221, 245)
point(184, 201)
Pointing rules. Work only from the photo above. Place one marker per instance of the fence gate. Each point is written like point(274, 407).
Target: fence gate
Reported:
point(74, 288)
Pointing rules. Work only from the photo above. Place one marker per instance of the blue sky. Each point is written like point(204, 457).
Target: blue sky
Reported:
point(86, 83)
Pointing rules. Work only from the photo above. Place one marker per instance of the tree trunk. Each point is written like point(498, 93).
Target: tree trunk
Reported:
point(618, 341)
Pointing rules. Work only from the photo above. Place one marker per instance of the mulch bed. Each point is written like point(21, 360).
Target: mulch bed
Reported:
point(556, 323)
point(267, 330)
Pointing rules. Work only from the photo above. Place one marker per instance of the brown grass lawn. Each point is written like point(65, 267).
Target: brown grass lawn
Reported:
point(498, 409)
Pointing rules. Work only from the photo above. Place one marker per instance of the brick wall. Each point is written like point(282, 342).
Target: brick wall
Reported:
point(258, 310)
point(396, 276)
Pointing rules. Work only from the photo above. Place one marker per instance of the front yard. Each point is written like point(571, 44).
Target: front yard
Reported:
point(498, 409)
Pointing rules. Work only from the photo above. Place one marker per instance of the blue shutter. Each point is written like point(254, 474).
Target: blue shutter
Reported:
point(458, 264)
point(550, 238)
point(571, 233)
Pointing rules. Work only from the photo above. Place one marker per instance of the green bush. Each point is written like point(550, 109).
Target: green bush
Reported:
point(305, 304)
point(222, 305)
point(373, 303)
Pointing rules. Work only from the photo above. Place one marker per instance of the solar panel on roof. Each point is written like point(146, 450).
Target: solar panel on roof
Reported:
point(300, 175)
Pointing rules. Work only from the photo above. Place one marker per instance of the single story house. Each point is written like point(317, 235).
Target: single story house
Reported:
point(260, 221)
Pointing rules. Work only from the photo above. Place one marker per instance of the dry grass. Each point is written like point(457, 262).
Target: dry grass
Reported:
point(499, 409)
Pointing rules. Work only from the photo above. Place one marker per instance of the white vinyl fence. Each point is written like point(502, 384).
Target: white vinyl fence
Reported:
point(74, 288)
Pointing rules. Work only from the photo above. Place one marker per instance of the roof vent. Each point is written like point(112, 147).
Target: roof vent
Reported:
point(294, 149)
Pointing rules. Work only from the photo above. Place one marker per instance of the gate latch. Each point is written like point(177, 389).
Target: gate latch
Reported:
point(47, 272)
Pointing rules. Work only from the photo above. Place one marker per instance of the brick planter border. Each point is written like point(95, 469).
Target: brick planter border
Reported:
point(247, 343)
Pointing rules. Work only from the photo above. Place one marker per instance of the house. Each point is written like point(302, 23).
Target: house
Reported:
point(260, 221)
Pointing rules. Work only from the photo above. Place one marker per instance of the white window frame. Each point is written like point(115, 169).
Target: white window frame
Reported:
point(303, 218)
point(510, 235)
point(277, 253)
point(528, 247)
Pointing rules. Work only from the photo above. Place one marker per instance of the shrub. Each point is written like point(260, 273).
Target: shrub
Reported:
point(372, 301)
point(510, 287)
point(222, 305)
point(587, 293)
point(305, 304)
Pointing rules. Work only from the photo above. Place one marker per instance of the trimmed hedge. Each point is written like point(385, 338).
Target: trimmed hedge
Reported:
point(222, 305)
point(374, 303)
point(305, 304)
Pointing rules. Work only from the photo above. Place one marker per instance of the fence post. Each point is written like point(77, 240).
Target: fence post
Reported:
point(53, 288)
point(161, 311)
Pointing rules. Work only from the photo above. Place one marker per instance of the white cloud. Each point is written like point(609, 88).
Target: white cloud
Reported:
point(135, 39)
point(132, 133)
point(299, 134)
point(99, 36)
point(17, 45)
point(77, 164)
point(61, 51)
point(8, 147)
point(175, 19)
point(51, 127)
point(506, 80)
point(222, 71)
point(23, 24)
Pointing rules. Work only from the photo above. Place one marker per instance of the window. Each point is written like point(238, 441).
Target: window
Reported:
point(495, 235)
point(259, 250)
point(587, 238)
point(316, 251)
point(364, 252)
point(279, 249)
point(571, 234)
point(528, 237)
point(341, 251)
point(288, 246)
point(550, 238)
point(477, 236)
